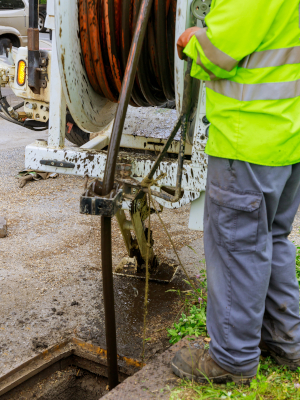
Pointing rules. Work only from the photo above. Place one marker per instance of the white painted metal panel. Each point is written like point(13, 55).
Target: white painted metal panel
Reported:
point(196, 221)
point(57, 116)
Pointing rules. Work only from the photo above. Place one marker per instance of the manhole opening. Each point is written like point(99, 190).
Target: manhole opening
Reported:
point(78, 371)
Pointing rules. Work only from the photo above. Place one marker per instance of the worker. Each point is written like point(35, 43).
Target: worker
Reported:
point(249, 56)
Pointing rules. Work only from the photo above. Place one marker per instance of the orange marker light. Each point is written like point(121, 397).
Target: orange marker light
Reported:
point(21, 73)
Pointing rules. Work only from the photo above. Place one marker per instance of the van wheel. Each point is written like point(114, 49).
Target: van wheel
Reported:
point(42, 23)
point(74, 134)
point(5, 44)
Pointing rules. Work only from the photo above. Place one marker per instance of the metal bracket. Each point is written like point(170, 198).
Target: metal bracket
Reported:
point(101, 205)
point(59, 164)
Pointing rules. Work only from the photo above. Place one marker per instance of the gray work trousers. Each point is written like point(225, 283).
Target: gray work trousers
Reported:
point(253, 292)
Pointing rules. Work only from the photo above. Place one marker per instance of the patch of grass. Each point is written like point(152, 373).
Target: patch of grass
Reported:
point(193, 324)
point(271, 383)
point(193, 320)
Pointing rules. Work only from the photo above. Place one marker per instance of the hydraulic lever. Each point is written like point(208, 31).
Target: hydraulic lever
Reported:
point(108, 183)
point(182, 122)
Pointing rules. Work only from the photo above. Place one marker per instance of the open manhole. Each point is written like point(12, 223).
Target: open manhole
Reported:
point(73, 370)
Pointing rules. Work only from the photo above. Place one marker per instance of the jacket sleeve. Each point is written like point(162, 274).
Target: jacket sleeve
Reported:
point(235, 29)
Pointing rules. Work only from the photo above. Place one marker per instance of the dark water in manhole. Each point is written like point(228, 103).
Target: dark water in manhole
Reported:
point(69, 384)
point(163, 306)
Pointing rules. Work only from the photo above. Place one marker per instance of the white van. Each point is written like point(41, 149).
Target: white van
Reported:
point(14, 21)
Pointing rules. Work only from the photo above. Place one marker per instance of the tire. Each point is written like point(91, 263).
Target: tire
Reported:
point(5, 44)
point(74, 134)
point(42, 23)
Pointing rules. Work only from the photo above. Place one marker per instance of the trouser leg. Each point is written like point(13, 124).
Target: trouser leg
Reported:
point(281, 325)
point(240, 203)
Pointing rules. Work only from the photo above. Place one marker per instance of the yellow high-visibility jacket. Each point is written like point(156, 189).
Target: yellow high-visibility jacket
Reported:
point(249, 54)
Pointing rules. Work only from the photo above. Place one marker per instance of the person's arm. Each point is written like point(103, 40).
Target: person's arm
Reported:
point(235, 29)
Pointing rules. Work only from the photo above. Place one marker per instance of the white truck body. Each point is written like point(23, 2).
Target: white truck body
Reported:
point(14, 21)
point(68, 86)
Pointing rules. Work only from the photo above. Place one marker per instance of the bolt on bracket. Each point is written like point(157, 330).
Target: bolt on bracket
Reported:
point(107, 207)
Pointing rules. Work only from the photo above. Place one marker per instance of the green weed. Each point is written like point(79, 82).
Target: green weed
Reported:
point(191, 325)
point(271, 383)
point(193, 321)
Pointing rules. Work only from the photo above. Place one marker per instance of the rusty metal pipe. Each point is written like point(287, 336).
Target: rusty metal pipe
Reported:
point(109, 302)
point(108, 182)
point(125, 95)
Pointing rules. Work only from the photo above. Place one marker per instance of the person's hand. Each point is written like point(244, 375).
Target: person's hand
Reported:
point(184, 39)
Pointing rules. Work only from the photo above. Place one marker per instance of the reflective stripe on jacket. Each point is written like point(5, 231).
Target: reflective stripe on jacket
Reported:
point(249, 54)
